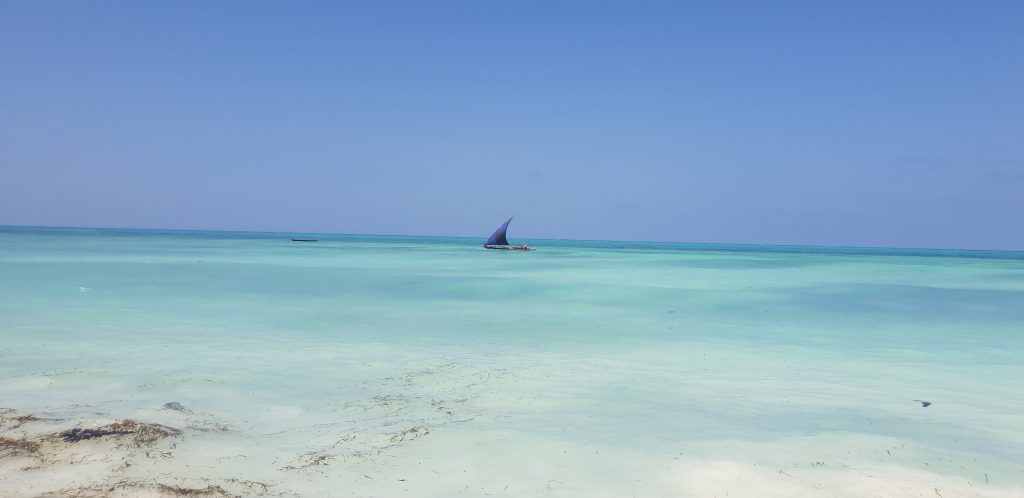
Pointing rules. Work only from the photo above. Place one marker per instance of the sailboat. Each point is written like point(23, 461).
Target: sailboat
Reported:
point(498, 240)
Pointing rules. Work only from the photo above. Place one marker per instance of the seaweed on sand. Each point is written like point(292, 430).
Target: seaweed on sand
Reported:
point(17, 446)
point(180, 491)
point(130, 488)
point(309, 460)
point(254, 486)
point(409, 434)
point(140, 433)
point(9, 419)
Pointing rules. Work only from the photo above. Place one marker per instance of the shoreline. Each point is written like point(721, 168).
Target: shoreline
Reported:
point(92, 457)
point(109, 457)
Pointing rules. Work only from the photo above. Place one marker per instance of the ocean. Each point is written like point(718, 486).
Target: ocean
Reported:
point(428, 366)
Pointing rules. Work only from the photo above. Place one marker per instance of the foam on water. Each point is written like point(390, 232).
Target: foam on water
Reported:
point(366, 365)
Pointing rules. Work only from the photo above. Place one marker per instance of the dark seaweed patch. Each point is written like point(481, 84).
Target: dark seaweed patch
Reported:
point(140, 433)
point(180, 491)
point(76, 435)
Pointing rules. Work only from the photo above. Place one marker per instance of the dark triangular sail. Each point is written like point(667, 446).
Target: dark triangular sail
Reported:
point(498, 237)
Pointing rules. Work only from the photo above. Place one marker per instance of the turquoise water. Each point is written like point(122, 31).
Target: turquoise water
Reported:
point(380, 365)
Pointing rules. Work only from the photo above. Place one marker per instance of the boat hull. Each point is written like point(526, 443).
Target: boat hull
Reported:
point(509, 248)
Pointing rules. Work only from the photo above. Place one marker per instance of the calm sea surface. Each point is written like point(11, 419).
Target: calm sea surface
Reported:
point(421, 366)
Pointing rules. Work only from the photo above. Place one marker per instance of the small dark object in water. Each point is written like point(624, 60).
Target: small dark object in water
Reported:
point(925, 404)
point(305, 240)
point(178, 407)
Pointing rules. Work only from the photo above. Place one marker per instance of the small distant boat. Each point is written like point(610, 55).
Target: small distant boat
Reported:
point(305, 240)
point(498, 240)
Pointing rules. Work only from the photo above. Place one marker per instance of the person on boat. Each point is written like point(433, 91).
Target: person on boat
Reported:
point(523, 245)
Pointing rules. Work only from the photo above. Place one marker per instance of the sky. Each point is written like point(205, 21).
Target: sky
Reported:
point(897, 124)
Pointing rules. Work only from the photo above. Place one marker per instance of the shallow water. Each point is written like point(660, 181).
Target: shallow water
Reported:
point(381, 366)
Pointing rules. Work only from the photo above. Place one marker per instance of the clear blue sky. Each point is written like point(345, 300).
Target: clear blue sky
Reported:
point(837, 123)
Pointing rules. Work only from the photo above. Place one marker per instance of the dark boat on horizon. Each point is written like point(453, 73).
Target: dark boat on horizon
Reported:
point(498, 240)
point(305, 240)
